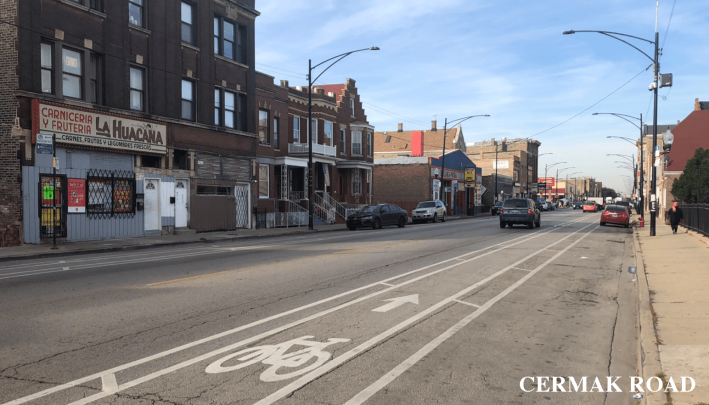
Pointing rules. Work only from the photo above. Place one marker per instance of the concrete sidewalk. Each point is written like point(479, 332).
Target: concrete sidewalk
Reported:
point(112, 245)
point(677, 272)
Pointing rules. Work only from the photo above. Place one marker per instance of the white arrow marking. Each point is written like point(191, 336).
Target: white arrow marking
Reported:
point(396, 302)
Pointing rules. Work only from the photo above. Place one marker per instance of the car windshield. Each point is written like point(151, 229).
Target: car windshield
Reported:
point(498, 204)
point(515, 204)
point(426, 204)
point(369, 208)
point(589, 203)
point(618, 208)
point(623, 203)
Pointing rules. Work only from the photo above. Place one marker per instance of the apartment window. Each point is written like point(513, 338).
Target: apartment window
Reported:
point(276, 126)
point(263, 130)
point(137, 87)
point(94, 4)
point(150, 161)
point(262, 181)
point(135, 12)
point(296, 129)
point(47, 68)
point(314, 123)
point(370, 144)
point(187, 16)
point(343, 141)
point(72, 73)
point(229, 109)
point(214, 190)
point(352, 112)
point(328, 133)
point(180, 160)
point(93, 73)
point(229, 39)
point(357, 143)
point(188, 112)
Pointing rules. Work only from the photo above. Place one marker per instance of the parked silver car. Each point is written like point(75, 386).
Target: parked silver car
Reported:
point(429, 211)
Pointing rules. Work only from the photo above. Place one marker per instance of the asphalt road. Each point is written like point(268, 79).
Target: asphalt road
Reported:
point(447, 313)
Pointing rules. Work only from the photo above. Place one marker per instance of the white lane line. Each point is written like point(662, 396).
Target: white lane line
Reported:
point(109, 383)
point(467, 303)
point(522, 239)
point(387, 284)
point(428, 348)
point(337, 362)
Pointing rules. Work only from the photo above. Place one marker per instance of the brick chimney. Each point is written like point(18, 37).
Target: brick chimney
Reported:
point(401, 127)
point(284, 83)
point(319, 91)
point(697, 106)
point(433, 125)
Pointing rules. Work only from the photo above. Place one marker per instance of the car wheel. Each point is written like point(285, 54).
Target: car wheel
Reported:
point(377, 224)
point(531, 224)
point(603, 224)
point(627, 226)
point(402, 222)
point(444, 217)
point(435, 218)
point(502, 224)
point(352, 228)
point(538, 223)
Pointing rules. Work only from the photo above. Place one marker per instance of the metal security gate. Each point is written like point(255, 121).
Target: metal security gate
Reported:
point(52, 222)
point(242, 206)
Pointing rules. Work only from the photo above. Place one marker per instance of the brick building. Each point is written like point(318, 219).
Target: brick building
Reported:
point(342, 149)
point(690, 134)
point(153, 110)
point(517, 159)
point(429, 143)
point(408, 180)
point(648, 160)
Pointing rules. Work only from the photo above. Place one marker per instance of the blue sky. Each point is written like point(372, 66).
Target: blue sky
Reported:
point(454, 58)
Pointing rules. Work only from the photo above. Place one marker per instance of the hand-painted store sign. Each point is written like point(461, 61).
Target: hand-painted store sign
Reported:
point(85, 128)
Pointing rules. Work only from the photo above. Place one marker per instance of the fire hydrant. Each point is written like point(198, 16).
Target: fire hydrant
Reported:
point(641, 222)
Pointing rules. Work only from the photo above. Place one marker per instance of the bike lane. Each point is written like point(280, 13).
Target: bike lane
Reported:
point(294, 350)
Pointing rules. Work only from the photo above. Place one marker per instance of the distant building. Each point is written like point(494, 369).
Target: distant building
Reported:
point(400, 143)
point(517, 159)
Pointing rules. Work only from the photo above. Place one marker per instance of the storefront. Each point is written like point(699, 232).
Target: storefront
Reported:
point(96, 191)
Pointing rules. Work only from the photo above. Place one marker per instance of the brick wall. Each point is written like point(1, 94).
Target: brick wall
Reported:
point(401, 183)
point(10, 172)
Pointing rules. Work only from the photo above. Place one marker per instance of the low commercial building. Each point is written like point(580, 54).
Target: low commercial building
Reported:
point(517, 159)
point(406, 181)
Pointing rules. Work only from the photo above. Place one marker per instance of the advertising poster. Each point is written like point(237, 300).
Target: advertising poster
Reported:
point(77, 196)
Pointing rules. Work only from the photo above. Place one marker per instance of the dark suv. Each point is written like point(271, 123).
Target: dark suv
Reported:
point(519, 211)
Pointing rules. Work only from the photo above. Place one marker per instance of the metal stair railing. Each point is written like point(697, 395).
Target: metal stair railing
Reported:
point(340, 209)
point(323, 210)
point(295, 216)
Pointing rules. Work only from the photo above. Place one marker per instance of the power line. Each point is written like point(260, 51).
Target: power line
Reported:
point(394, 115)
point(277, 68)
point(592, 105)
point(667, 30)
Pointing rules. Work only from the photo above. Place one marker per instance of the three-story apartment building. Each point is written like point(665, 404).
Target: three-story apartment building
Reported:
point(152, 110)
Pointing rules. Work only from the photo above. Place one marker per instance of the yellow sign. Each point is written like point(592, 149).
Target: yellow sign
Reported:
point(47, 216)
point(469, 175)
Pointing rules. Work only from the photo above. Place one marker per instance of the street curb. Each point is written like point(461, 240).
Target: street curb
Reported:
point(142, 247)
point(188, 242)
point(648, 355)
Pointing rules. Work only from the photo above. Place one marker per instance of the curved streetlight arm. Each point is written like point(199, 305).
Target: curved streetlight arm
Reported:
point(623, 156)
point(612, 35)
point(566, 168)
point(622, 116)
point(339, 58)
point(623, 138)
point(466, 118)
point(549, 167)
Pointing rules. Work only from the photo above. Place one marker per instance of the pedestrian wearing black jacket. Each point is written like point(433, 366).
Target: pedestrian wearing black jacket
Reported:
point(676, 216)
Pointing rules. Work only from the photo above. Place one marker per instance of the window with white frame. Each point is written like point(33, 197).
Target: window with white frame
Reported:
point(357, 143)
point(343, 141)
point(352, 111)
point(79, 75)
point(314, 123)
point(370, 144)
point(229, 39)
point(229, 109)
point(328, 133)
point(276, 127)
point(264, 137)
point(47, 56)
point(263, 181)
point(188, 108)
point(72, 69)
point(296, 129)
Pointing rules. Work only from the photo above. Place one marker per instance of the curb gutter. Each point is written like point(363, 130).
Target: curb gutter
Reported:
point(649, 354)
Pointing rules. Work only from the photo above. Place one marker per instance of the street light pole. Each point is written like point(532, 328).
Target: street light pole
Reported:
point(656, 78)
point(310, 121)
point(443, 157)
point(545, 176)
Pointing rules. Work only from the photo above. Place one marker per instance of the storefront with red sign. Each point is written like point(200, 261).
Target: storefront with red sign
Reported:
point(98, 191)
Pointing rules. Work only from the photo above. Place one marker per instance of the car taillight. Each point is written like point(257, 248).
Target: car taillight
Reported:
point(500, 210)
point(529, 211)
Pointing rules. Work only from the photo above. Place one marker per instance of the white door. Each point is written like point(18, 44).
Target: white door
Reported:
point(180, 204)
point(152, 205)
point(242, 206)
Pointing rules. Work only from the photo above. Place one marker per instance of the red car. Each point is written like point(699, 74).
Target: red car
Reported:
point(590, 206)
point(615, 214)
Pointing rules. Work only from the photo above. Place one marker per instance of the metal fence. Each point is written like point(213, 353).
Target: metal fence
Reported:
point(696, 217)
